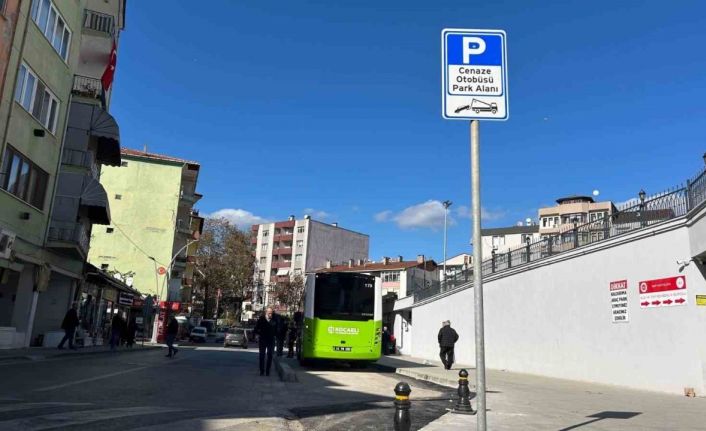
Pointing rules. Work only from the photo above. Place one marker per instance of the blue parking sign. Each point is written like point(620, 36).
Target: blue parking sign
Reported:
point(474, 74)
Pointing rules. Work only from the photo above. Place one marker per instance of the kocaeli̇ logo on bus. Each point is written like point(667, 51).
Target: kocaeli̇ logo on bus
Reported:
point(343, 331)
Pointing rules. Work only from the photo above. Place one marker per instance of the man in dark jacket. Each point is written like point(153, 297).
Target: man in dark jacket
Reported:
point(447, 339)
point(69, 325)
point(266, 330)
point(172, 331)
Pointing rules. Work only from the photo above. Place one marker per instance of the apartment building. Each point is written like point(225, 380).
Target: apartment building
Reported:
point(456, 265)
point(295, 247)
point(570, 212)
point(43, 185)
point(153, 225)
point(502, 239)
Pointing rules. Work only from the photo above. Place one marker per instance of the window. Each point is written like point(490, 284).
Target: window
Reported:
point(344, 297)
point(300, 243)
point(265, 233)
point(22, 178)
point(526, 237)
point(498, 241)
point(118, 197)
point(264, 246)
point(597, 215)
point(36, 98)
point(390, 276)
point(2, 6)
point(300, 229)
point(52, 25)
point(263, 261)
point(297, 257)
point(262, 275)
point(297, 271)
point(109, 230)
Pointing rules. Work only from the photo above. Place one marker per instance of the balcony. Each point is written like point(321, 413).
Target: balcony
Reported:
point(281, 264)
point(90, 88)
point(283, 250)
point(80, 158)
point(283, 237)
point(91, 127)
point(284, 224)
point(67, 235)
point(99, 22)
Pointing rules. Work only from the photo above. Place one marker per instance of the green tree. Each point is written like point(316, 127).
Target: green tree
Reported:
point(290, 293)
point(225, 262)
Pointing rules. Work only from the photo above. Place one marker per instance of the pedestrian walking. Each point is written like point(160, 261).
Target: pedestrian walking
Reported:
point(385, 341)
point(292, 338)
point(447, 340)
point(172, 331)
point(282, 326)
point(116, 331)
point(69, 325)
point(130, 333)
point(266, 330)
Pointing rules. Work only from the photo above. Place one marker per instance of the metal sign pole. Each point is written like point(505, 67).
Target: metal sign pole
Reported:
point(478, 276)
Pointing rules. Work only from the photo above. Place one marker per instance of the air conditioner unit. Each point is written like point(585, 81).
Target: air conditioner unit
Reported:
point(7, 239)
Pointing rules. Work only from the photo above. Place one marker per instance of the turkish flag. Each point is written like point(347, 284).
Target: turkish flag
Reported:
point(107, 78)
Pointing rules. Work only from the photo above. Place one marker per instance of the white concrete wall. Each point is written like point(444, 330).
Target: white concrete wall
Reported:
point(403, 334)
point(555, 319)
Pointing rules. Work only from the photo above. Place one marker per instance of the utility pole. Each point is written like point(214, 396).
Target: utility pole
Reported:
point(446, 204)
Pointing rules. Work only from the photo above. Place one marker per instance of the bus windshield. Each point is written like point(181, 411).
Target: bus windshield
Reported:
point(344, 297)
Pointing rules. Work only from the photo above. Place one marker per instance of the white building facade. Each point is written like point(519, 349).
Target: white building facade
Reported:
point(295, 247)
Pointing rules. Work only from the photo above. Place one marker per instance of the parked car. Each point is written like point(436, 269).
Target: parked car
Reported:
point(237, 337)
point(198, 335)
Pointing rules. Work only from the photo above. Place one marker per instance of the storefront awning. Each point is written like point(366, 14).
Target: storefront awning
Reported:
point(95, 199)
point(282, 272)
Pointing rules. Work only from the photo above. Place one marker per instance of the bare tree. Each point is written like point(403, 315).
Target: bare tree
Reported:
point(290, 293)
point(225, 262)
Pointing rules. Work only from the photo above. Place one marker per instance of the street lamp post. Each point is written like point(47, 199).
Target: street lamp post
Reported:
point(642, 196)
point(167, 277)
point(446, 204)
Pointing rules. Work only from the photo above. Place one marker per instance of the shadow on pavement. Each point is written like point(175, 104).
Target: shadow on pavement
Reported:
point(603, 415)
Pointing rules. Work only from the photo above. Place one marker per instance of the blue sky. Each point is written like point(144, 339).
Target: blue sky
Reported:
point(333, 108)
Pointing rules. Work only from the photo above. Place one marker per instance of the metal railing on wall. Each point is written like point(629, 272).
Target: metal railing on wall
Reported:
point(631, 216)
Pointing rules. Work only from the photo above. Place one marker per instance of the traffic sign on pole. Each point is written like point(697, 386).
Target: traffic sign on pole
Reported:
point(474, 74)
point(474, 87)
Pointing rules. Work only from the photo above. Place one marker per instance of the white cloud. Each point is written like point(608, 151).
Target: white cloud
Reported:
point(382, 216)
point(485, 214)
point(429, 214)
point(239, 217)
point(317, 214)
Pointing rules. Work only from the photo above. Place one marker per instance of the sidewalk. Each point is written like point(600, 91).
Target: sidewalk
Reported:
point(520, 401)
point(43, 353)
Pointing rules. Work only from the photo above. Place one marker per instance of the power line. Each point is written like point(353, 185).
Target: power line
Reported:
point(149, 256)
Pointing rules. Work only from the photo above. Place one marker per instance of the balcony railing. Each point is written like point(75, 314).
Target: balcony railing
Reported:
point(100, 22)
point(84, 159)
point(67, 232)
point(665, 206)
point(85, 86)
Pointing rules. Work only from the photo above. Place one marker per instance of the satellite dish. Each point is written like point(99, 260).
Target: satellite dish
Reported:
point(596, 193)
point(528, 221)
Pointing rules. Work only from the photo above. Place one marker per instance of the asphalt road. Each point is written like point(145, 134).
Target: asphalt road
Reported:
point(202, 388)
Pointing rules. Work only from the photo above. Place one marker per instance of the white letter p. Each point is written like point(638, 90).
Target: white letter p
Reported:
point(472, 46)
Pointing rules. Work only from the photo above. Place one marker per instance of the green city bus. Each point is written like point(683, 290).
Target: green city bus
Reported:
point(342, 318)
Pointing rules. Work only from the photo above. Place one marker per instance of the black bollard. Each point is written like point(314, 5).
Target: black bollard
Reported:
point(403, 421)
point(463, 405)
